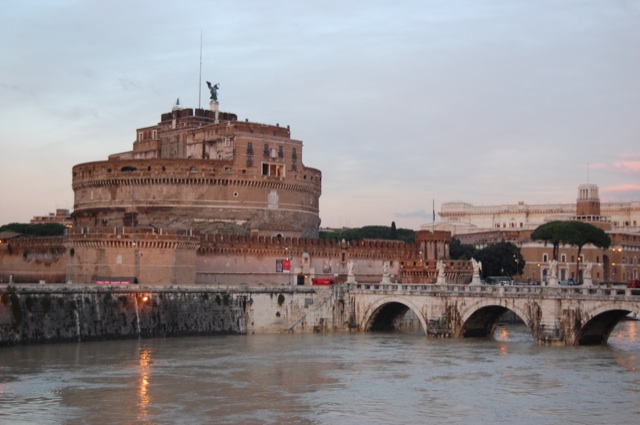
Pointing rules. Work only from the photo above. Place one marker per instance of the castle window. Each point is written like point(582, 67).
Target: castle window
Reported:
point(281, 152)
point(249, 161)
point(227, 142)
point(128, 169)
point(266, 150)
point(250, 148)
point(294, 154)
point(276, 170)
point(563, 258)
point(227, 170)
point(545, 258)
point(294, 167)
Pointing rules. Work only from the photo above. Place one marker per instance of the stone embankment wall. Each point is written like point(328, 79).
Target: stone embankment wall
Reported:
point(32, 314)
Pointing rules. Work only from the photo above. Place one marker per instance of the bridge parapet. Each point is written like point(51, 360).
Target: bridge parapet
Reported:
point(511, 291)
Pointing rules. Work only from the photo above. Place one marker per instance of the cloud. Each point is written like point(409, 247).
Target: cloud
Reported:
point(627, 166)
point(625, 188)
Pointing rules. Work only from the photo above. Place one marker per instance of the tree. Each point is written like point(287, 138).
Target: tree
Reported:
point(460, 251)
point(575, 233)
point(502, 258)
point(38, 229)
point(394, 231)
point(370, 232)
point(584, 233)
point(555, 232)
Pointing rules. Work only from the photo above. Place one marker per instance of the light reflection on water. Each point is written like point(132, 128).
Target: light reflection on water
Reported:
point(143, 392)
point(324, 379)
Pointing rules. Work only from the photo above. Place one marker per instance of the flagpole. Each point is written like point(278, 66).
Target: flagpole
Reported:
point(200, 77)
point(433, 221)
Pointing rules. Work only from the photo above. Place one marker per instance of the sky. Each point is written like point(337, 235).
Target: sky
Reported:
point(402, 105)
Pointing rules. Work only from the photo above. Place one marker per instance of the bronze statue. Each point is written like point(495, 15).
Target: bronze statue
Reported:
point(214, 90)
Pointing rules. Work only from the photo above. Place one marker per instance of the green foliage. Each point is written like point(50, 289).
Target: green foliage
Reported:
point(40, 229)
point(500, 259)
point(393, 233)
point(371, 232)
point(460, 251)
point(575, 233)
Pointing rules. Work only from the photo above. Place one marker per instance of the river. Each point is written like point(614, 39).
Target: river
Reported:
point(332, 378)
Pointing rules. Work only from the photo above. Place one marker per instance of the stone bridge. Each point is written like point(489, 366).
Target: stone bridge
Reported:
point(554, 315)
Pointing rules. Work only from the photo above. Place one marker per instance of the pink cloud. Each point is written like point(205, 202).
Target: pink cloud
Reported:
point(628, 166)
point(630, 155)
point(624, 188)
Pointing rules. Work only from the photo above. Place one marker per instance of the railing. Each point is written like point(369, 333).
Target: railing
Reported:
point(533, 291)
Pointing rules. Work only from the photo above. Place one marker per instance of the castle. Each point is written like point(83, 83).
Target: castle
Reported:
point(203, 198)
point(203, 170)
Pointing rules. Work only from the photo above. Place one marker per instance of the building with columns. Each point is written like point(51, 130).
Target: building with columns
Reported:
point(481, 225)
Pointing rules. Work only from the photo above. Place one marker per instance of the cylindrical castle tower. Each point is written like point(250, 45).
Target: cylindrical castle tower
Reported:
point(206, 171)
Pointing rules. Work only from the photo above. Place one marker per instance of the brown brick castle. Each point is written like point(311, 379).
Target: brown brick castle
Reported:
point(203, 170)
point(206, 199)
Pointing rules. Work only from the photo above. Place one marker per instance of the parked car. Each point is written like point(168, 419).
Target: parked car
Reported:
point(499, 280)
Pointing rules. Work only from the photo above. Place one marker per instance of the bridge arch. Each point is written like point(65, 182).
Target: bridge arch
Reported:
point(480, 319)
point(385, 314)
point(603, 319)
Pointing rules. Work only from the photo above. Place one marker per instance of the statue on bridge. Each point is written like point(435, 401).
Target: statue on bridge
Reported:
point(586, 281)
point(553, 273)
point(477, 268)
point(553, 268)
point(350, 276)
point(385, 272)
point(441, 280)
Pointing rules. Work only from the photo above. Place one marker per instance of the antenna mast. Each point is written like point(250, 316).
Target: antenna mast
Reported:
point(200, 77)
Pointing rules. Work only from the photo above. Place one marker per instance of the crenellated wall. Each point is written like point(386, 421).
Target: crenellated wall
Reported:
point(162, 256)
point(33, 260)
point(144, 255)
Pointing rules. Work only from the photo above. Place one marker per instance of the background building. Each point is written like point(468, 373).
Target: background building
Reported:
point(481, 225)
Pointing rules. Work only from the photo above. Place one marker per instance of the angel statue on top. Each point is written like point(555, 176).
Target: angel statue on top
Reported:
point(213, 89)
